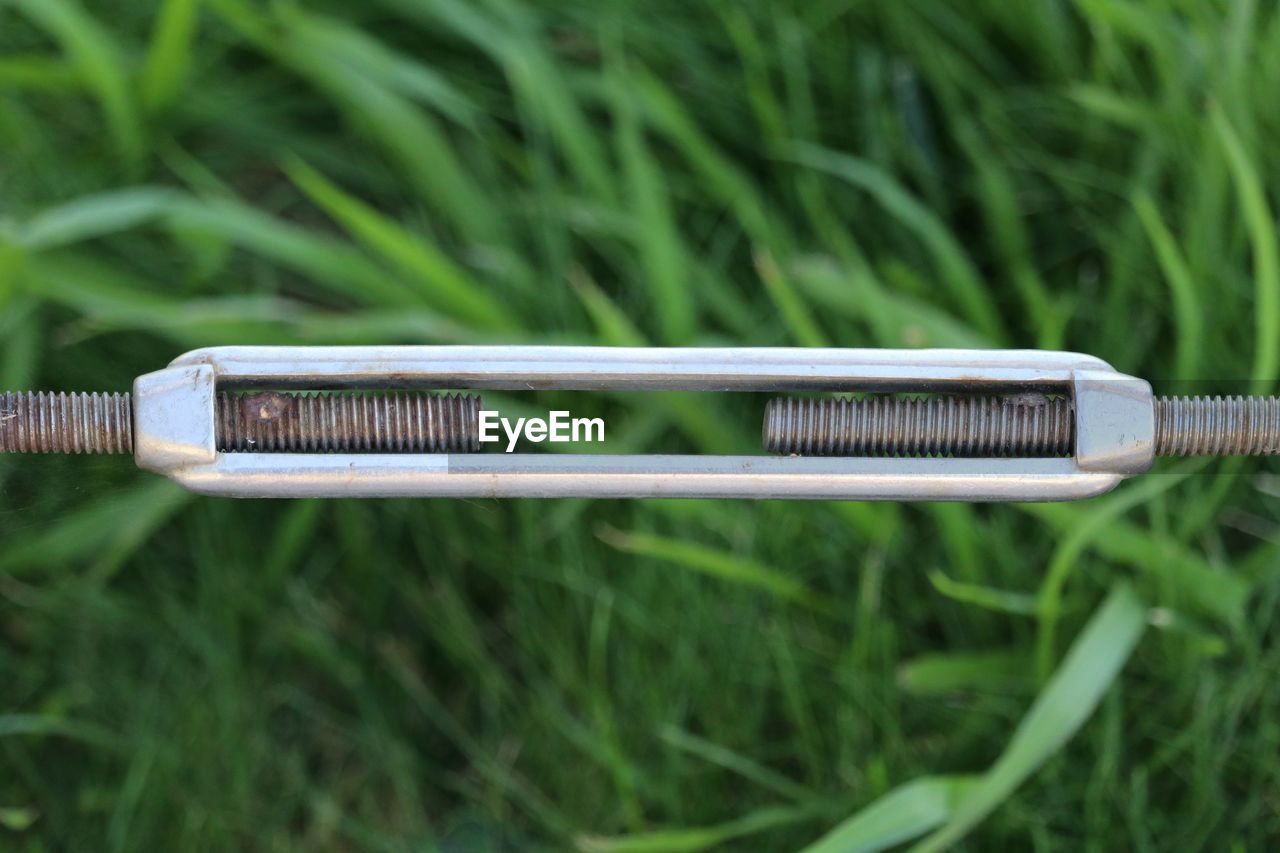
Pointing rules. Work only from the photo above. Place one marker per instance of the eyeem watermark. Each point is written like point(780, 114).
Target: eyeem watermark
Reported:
point(558, 426)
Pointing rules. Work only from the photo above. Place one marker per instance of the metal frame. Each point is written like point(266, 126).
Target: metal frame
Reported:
point(174, 423)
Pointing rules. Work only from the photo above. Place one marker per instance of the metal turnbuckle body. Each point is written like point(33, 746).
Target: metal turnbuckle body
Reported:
point(997, 425)
point(176, 419)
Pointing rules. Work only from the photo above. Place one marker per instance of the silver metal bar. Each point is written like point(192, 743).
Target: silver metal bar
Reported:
point(529, 475)
point(520, 368)
point(175, 423)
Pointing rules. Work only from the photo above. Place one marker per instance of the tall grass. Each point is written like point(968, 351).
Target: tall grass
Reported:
point(178, 672)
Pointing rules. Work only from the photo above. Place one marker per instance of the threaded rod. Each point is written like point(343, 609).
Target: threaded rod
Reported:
point(918, 426)
point(47, 422)
point(43, 422)
point(269, 422)
point(993, 426)
point(1217, 426)
point(273, 422)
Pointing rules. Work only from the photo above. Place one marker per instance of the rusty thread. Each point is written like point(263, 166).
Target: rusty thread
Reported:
point(331, 422)
point(57, 422)
point(267, 422)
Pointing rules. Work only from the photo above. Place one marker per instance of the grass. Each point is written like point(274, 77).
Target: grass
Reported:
point(180, 672)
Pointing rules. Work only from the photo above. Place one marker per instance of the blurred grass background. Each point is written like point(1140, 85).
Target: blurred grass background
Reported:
point(186, 673)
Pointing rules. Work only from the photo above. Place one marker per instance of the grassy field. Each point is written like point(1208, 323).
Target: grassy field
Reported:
point(187, 673)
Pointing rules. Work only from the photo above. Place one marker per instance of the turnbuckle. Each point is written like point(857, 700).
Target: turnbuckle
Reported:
point(976, 425)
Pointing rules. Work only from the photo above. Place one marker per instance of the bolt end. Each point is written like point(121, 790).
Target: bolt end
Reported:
point(57, 422)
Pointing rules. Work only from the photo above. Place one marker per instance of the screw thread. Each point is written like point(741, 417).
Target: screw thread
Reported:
point(918, 426)
point(1217, 426)
point(994, 426)
point(274, 422)
point(269, 422)
point(48, 422)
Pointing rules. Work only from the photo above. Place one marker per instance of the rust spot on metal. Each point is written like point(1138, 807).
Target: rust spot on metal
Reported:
point(266, 406)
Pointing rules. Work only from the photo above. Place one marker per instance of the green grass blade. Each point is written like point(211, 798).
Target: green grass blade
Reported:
point(690, 840)
point(169, 54)
point(906, 812)
point(365, 81)
point(725, 182)
point(989, 598)
point(545, 97)
point(327, 263)
point(108, 298)
point(1092, 526)
point(48, 725)
point(663, 260)
point(93, 216)
point(954, 267)
point(21, 334)
point(1187, 311)
point(1126, 112)
point(35, 71)
point(440, 282)
point(93, 50)
point(1092, 664)
point(1191, 580)
point(895, 319)
point(345, 45)
point(739, 764)
point(997, 670)
point(714, 563)
point(99, 533)
point(1006, 221)
point(613, 326)
point(422, 150)
point(1261, 225)
point(791, 306)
